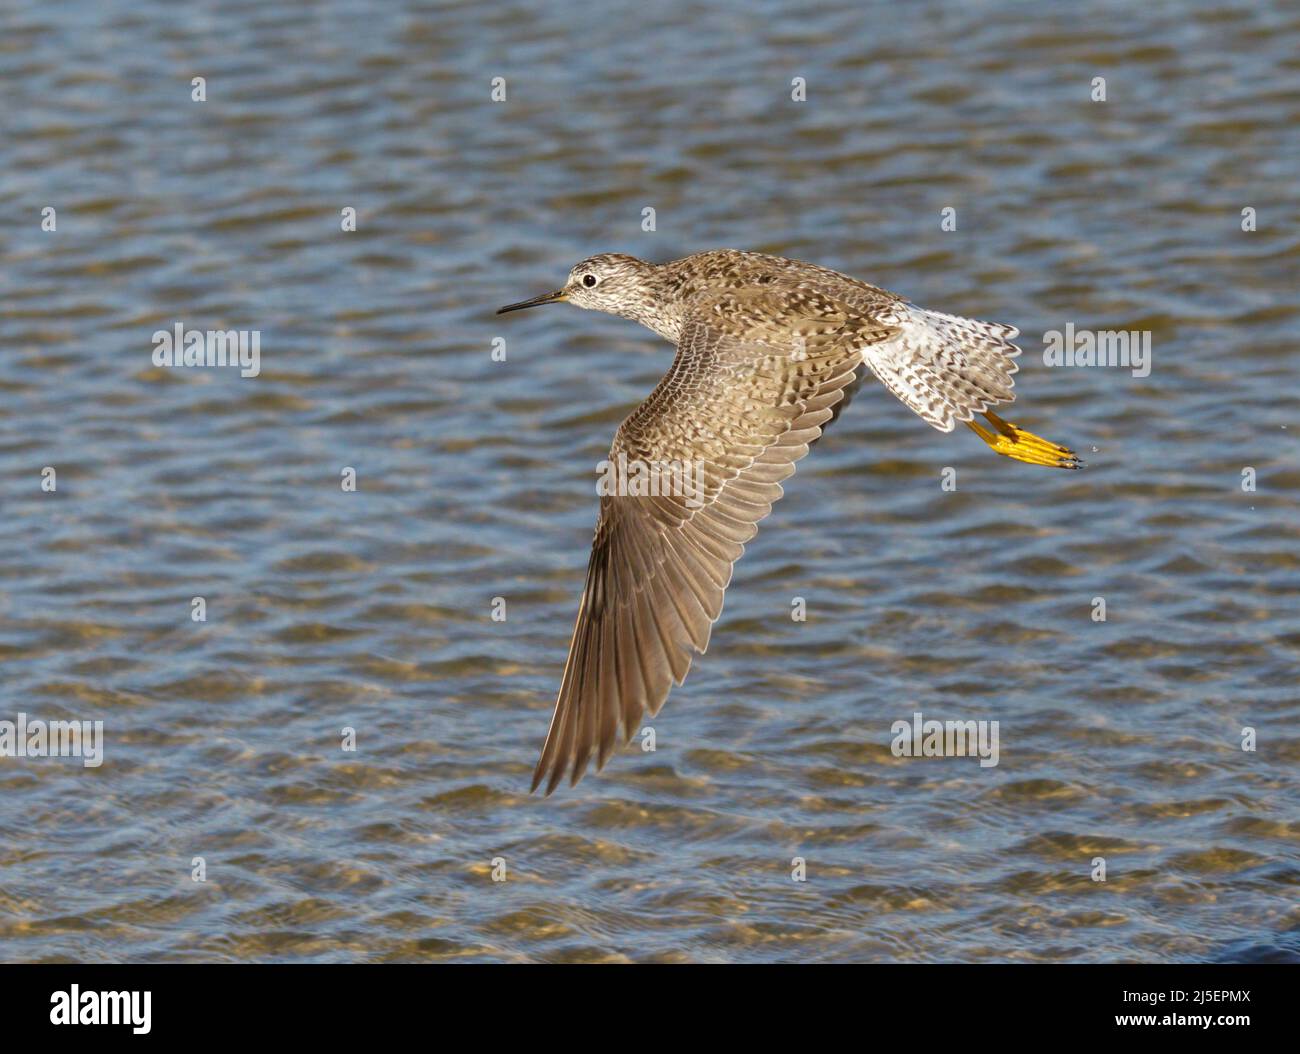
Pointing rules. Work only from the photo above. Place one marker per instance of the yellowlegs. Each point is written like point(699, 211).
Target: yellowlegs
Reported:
point(765, 349)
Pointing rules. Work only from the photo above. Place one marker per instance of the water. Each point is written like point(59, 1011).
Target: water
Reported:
point(371, 610)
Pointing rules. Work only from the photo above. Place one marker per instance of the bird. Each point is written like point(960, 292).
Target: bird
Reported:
point(767, 348)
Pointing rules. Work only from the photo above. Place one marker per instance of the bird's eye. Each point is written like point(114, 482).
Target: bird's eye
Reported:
point(588, 280)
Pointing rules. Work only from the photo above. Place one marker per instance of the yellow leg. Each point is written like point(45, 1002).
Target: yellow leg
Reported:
point(1015, 442)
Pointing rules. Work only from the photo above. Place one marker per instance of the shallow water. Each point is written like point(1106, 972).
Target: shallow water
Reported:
point(371, 610)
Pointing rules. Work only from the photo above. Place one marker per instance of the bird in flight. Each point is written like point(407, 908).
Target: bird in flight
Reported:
point(766, 348)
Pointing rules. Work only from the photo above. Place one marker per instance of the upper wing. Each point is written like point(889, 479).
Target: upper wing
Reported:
point(947, 369)
point(739, 411)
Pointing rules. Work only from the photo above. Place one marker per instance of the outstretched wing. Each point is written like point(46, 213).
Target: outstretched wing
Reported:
point(945, 368)
point(737, 411)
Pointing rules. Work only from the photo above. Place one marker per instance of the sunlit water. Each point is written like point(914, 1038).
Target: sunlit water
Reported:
point(371, 610)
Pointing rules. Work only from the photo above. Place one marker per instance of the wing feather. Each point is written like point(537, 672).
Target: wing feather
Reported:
point(747, 408)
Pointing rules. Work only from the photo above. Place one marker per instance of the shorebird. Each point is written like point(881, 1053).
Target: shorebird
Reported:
point(766, 348)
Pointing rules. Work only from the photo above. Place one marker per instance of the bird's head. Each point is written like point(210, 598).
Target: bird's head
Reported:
point(612, 282)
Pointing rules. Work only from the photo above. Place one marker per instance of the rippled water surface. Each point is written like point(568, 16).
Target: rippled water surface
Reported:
point(371, 610)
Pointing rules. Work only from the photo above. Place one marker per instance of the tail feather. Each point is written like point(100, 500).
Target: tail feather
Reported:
point(945, 368)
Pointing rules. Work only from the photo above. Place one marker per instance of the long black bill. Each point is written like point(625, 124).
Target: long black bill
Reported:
point(545, 298)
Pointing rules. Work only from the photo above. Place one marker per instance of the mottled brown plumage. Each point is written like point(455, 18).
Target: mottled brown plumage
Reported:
point(765, 349)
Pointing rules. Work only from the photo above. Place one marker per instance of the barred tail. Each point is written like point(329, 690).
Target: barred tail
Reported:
point(948, 369)
point(945, 368)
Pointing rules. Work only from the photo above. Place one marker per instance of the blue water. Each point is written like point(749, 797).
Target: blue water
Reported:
point(371, 610)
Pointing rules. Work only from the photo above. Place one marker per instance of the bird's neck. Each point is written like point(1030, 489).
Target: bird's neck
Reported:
point(657, 309)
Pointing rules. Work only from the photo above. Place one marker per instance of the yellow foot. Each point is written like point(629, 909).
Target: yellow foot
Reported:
point(1016, 443)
